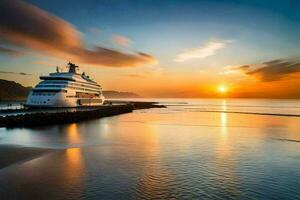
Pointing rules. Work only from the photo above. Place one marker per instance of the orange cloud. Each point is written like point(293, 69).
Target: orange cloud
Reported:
point(272, 70)
point(121, 40)
point(112, 58)
point(43, 32)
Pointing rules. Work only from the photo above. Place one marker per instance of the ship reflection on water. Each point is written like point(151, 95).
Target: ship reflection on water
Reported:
point(173, 153)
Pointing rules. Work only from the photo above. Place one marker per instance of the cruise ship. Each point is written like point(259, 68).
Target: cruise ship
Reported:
point(66, 89)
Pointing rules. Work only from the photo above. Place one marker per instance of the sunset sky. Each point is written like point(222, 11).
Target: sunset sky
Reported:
point(158, 48)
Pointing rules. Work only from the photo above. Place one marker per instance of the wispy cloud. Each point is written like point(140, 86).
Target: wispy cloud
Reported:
point(228, 70)
point(200, 52)
point(17, 73)
point(45, 63)
point(25, 25)
point(8, 51)
point(273, 70)
point(121, 40)
point(95, 30)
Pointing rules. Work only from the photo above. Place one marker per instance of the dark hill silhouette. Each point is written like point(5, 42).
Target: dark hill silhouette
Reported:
point(116, 94)
point(10, 90)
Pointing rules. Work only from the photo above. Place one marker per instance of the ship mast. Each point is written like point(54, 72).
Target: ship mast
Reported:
point(72, 67)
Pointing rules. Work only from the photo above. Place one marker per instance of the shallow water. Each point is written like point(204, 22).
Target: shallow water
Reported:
point(179, 152)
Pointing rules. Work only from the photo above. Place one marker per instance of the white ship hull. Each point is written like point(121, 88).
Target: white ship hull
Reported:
point(60, 99)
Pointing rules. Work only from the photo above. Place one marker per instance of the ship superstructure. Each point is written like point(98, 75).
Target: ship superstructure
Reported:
point(66, 89)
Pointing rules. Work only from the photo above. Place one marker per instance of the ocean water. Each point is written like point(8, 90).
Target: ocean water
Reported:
point(194, 149)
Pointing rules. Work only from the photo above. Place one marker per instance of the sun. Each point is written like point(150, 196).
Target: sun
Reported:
point(222, 89)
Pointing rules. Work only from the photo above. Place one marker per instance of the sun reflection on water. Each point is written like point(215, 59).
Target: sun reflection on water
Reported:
point(72, 134)
point(225, 154)
point(74, 157)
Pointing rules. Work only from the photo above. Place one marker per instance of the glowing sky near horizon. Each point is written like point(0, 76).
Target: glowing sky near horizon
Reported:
point(170, 48)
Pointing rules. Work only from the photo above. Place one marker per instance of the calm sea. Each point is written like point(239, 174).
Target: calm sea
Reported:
point(194, 149)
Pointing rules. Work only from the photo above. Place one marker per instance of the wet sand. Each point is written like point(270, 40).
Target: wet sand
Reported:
point(12, 154)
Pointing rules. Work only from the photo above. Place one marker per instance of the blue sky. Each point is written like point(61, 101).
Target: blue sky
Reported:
point(251, 31)
point(168, 26)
